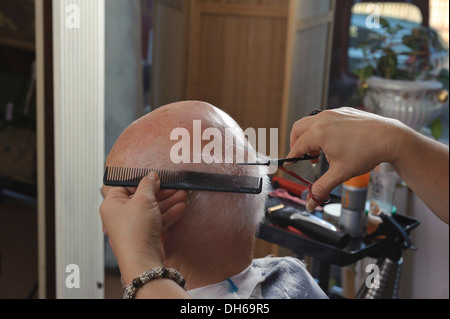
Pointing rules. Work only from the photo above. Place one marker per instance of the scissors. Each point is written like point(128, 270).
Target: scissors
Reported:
point(279, 162)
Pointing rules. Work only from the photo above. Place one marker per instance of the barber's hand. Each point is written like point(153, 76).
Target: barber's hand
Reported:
point(135, 223)
point(353, 141)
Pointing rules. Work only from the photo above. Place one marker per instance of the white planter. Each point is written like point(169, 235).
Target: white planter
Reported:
point(415, 103)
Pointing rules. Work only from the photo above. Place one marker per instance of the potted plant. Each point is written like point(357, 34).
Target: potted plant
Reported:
point(401, 73)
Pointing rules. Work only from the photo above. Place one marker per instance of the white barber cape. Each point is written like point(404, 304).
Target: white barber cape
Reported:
point(265, 278)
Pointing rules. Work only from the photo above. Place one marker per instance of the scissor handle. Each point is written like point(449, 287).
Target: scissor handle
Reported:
point(305, 181)
point(305, 157)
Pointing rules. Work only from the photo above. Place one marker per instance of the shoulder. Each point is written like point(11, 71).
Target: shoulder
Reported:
point(286, 278)
point(279, 264)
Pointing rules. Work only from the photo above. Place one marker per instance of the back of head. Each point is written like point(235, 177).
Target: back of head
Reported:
point(147, 143)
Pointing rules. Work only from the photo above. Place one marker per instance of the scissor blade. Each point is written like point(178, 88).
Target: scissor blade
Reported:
point(281, 161)
point(296, 159)
point(274, 162)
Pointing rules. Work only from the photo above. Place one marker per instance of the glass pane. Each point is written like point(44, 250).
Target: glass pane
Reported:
point(394, 10)
point(366, 27)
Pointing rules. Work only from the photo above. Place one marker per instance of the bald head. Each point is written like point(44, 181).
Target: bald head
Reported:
point(147, 142)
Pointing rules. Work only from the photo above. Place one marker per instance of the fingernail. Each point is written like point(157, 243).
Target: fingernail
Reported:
point(188, 200)
point(309, 207)
point(309, 204)
point(153, 176)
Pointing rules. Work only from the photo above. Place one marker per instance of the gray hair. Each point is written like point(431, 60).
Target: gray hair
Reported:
point(234, 212)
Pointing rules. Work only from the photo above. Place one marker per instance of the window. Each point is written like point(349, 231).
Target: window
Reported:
point(366, 27)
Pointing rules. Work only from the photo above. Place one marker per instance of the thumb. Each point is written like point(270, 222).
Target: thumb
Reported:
point(322, 187)
point(147, 189)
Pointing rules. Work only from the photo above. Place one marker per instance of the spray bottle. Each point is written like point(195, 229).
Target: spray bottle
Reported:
point(383, 180)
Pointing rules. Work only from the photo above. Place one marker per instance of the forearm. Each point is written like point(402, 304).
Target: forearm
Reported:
point(423, 164)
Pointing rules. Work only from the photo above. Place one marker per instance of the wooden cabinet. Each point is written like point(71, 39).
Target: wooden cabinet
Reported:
point(264, 62)
point(237, 58)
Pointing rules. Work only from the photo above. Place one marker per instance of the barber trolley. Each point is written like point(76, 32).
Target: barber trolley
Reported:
point(288, 225)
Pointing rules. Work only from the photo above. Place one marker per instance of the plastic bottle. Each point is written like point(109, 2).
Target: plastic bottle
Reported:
point(353, 201)
point(383, 180)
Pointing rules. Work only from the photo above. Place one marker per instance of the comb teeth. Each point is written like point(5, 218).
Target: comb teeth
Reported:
point(131, 177)
point(170, 177)
point(127, 177)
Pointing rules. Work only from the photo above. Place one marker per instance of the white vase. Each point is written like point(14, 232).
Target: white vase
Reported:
point(415, 103)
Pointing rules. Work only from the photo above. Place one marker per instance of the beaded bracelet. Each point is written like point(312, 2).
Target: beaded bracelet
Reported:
point(148, 275)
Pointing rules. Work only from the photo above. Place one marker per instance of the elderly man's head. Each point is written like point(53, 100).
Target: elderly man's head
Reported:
point(147, 143)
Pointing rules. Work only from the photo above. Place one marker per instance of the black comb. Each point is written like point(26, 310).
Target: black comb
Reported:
point(171, 179)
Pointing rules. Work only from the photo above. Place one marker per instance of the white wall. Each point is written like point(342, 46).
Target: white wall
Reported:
point(426, 271)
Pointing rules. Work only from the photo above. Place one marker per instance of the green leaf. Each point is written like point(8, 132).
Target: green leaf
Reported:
point(410, 41)
point(437, 128)
point(384, 23)
point(364, 73)
point(387, 65)
point(363, 44)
